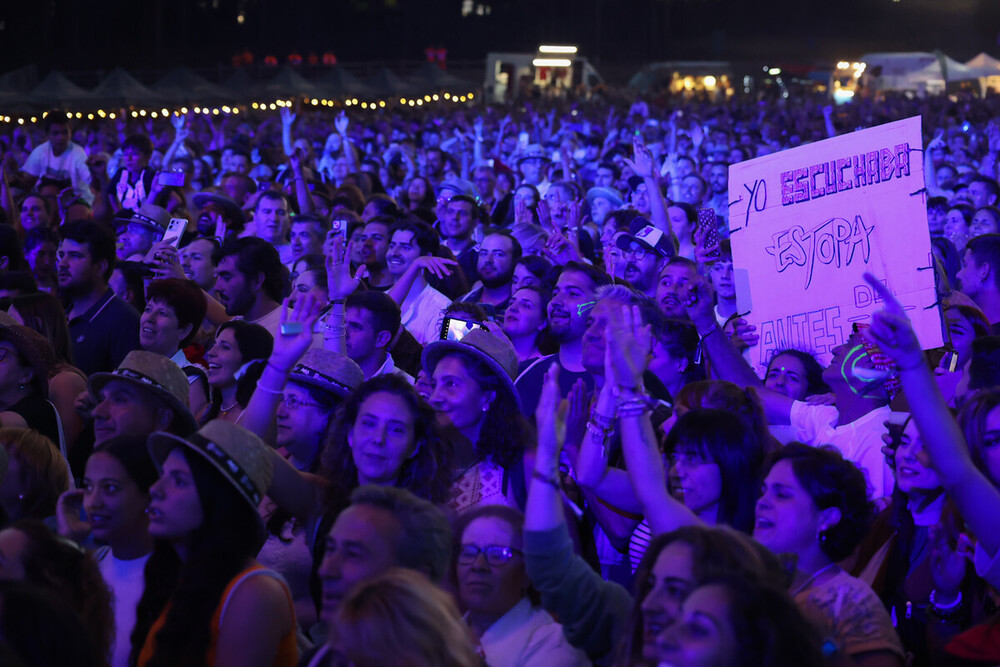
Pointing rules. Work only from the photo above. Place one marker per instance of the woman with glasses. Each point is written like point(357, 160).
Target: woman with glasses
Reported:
point(494, 590)
point(295, 416)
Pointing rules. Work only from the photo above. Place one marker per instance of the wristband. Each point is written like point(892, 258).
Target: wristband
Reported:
point(268, 390)
point(945, 607)
point(715, 327)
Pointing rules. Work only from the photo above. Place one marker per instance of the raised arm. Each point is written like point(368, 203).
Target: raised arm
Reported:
point(625, 358)
point(288, 349)
point(644, 165)
point(978, 500)
point(287, 120)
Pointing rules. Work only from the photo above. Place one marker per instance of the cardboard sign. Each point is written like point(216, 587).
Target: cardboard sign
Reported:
point(806, 224)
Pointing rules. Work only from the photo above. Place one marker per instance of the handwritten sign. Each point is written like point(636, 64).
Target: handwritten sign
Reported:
point(806, 224)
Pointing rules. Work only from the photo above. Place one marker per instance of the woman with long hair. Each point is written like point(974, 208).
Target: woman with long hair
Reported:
point(525, 321)
point(43, 313)
point(206, 600)
point(114, 494)
point(234, 365)
point(475, 398)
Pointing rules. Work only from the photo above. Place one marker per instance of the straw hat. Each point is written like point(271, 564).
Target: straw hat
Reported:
point(331, 372)
point(241, 457)
point(159, 376)
point(231, 208)
point(494, 351)
point(152, 217)
point(35, 350)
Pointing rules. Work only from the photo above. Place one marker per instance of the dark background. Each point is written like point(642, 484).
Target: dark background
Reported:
point(150, 36)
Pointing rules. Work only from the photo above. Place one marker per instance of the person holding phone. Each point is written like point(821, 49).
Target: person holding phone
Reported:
point(130, 186)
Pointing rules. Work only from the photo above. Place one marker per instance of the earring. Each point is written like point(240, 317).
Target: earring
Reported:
point(821, 537)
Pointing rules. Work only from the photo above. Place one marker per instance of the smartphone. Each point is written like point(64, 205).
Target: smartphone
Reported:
point(174, 231)
point(338, 228)
point(457, 329)
point(291, 328)
point(172, 178)
point(708, 220)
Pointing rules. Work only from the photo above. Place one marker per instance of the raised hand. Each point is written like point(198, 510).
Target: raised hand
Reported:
point(642, 162)
point(577, 414)
point(698, 303)
point(341, 122)
point(546, 415)
point(68, 521)
point(164, 260)
point(340, 282)
point(287, 116)
point(948, 563)
point(891, 330)
point(296, 332)
point(522, 214)
point(626, 349)
point(441, 267)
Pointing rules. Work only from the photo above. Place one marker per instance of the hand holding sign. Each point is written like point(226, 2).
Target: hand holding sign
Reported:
point(891, 329)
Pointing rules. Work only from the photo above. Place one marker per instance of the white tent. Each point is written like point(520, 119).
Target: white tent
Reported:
point(891, 71)
point(989, 70)
point(934, 77)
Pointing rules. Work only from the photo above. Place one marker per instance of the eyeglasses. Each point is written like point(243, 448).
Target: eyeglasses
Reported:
point(496, 555)
point(294, 402)
point(637, 254)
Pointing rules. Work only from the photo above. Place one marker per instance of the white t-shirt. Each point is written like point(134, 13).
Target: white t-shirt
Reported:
point(525, 636)
point(125, 579)
point(860, 441)
point(71, 166)
point(424, 315)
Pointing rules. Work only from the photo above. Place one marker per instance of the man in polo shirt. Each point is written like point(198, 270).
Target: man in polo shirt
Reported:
point(647, 250)
point(137, 234)
point(102, 327)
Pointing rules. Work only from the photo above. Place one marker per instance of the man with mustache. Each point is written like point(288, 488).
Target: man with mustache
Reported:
point(647, 251)
point(498, 253)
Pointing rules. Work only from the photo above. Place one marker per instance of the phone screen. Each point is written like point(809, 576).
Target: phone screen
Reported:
point(455, 329)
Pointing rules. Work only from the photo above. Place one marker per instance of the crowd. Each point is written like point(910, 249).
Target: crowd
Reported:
point(466, 386)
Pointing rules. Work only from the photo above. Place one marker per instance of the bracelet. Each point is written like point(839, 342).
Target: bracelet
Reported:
point(268, 390)
point(620, 389)
point(552, 480)
point(949, 614)
point(715, 327)
point(603, 421)
point(945, 607)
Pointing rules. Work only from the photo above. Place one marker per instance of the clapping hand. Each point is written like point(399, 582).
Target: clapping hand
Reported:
point(626, 349)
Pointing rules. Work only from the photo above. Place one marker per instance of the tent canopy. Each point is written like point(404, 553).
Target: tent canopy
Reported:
point(120, 89)
point(432, 79)
point(286, 83)
point(183, 86)
point(339, 83)
point(985, 64)
point(58, 91)
point(386, 83)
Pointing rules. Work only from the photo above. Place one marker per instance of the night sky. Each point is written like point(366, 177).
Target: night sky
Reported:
point(151, 36)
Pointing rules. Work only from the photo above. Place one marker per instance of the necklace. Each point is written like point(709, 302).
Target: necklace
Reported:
point(805, 584)
point(223, 409)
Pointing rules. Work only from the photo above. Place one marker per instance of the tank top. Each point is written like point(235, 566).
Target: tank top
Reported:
point(287, 655)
